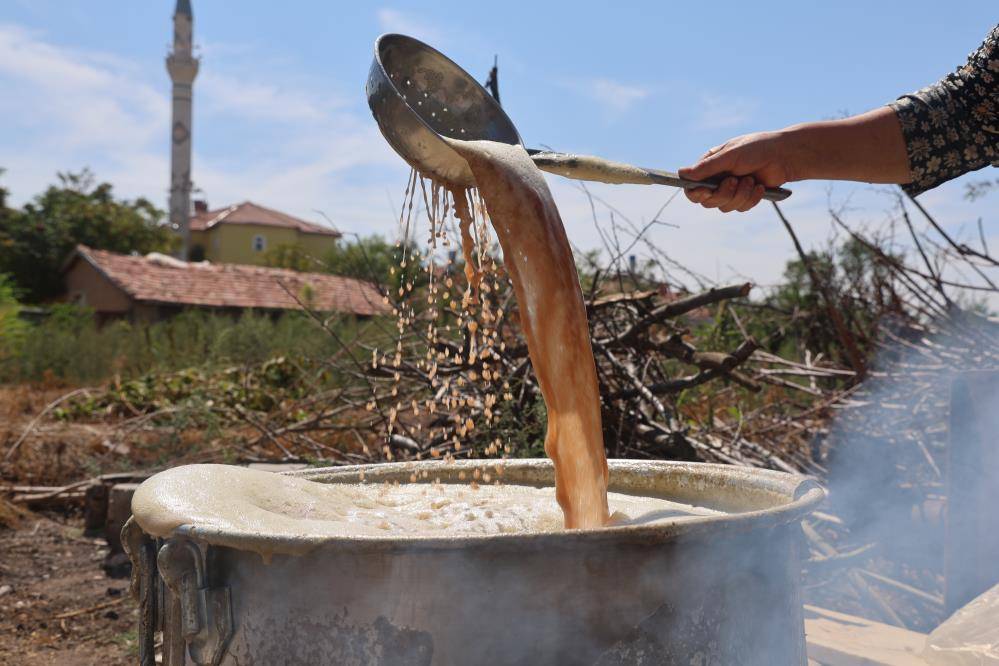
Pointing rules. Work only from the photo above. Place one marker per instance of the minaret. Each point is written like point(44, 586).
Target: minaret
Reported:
point(183, 67)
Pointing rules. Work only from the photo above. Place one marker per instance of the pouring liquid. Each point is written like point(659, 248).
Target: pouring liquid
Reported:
point(538, 259)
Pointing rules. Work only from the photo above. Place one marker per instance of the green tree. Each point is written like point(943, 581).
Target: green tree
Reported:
point(37, 239)
point(293, 256)
point(12, 328)
point(375, 259)
point(854, 278)
point(369, 258)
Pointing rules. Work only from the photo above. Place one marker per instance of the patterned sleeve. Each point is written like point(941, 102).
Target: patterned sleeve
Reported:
point(952, 127)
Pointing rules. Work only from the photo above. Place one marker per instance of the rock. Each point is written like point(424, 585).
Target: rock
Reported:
point(117, 565)
point(6, 589)
point(95, 513)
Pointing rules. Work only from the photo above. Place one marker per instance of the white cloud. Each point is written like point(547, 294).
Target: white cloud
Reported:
point(91, 100)
point(393, 20)
point(721, 112)
point(248, 98)
point(295, 149)
point(612, 96)
point(715, 245)
point(64, 109)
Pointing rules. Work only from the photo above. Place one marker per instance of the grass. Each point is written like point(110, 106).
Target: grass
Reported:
point(128, 641)
point(69, 346)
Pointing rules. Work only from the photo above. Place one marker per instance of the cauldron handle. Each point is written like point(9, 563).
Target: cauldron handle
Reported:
point(205, 612)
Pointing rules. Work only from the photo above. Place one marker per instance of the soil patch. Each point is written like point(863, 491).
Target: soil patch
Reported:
point(56, 604)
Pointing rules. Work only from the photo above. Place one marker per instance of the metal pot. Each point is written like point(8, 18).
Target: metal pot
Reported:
point(707, 590)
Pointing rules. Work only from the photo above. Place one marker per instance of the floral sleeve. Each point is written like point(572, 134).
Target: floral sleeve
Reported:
point(952, 127)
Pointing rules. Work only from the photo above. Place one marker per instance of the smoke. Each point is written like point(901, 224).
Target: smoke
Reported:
point(903, 455)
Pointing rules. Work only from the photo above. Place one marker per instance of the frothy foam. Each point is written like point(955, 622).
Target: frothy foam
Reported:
point(242, 500)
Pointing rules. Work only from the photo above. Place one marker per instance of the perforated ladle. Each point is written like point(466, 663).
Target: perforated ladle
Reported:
point(417, 95)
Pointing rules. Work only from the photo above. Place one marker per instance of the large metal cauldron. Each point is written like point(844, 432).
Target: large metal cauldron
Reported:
point(706, 590)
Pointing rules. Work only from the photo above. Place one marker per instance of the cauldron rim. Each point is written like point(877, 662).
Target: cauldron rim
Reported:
point(774, 499)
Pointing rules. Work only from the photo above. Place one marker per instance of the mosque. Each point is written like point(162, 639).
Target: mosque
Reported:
point(241, 233)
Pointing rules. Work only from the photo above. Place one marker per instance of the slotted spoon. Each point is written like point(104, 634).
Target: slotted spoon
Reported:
point(417, 95)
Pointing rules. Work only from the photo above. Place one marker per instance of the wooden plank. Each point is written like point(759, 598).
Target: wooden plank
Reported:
point(119, 511)
point(838, 639)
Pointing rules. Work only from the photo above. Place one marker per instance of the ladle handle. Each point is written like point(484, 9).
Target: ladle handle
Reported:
point(588, 167)
point(668, 178)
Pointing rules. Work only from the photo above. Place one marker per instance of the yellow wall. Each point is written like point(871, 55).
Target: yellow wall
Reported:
point(200, 238)
point(318, 245)
point(233, 243)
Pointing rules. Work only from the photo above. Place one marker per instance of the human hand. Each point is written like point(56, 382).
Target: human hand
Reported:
point(753, 163)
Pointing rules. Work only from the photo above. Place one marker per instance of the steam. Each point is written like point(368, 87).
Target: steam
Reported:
point(887, 455)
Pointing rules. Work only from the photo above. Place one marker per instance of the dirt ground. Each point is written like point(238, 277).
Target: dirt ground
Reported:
point(57, 606)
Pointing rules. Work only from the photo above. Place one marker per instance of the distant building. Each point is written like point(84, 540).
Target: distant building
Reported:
point(243, 233)
point(227, 247)
point(183, 68)
point(239, 234)
point(155, 286)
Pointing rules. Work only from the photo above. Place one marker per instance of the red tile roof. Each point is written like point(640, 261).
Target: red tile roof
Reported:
point(164, 280)
point(251, 213)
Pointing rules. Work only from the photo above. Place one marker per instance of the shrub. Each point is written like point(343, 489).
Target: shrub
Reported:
point(12, 329)
point(70, 346)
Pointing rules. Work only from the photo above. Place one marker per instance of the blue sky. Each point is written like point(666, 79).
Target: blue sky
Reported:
point(280, 116)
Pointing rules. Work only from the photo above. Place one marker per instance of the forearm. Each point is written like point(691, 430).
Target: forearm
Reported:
point(868, 147)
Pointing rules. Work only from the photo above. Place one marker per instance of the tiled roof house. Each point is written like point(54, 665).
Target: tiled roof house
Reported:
point(155, 285)
point(243, 233)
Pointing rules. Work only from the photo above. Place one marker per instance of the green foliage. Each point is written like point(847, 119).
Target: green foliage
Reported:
point(65, 345)
point(374, 259)
point(199, 393)
point(857, 283)
point(369, 258)
point(13, 331)
point(129, 641)
point(796, 291)
point(521, 425)
point(588, 268)
point(293, 256)
point(37, 239)
point(68, 344)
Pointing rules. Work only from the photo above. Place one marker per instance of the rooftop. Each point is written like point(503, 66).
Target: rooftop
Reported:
point(251, 213)
point(159, 279)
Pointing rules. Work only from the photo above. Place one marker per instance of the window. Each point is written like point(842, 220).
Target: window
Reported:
point(259, 243)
